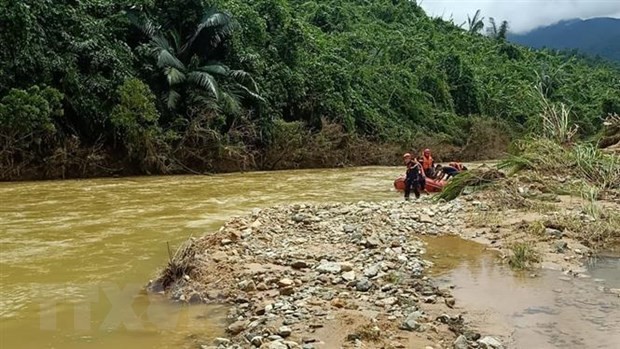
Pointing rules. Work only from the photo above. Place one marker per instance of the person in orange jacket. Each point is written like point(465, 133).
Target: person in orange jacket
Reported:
point(428, 164)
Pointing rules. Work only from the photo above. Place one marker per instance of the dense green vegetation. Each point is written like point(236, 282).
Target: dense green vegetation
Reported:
point(97, 87)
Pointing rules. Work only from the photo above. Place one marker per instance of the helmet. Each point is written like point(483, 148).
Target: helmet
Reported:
point(407, 155)
point(427, 150)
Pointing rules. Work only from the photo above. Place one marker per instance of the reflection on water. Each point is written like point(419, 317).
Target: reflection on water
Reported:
point(548, 311)
point(74, 254)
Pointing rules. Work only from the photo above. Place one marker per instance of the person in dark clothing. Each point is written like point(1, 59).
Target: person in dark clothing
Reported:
point(447, 172)
point(412, 177)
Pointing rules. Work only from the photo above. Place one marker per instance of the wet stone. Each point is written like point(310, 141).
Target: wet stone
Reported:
point(490, 343)
point(329, 267)
point(363, 285)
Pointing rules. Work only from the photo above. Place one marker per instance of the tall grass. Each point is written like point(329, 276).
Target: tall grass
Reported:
point(582, 161)
point(555, 120)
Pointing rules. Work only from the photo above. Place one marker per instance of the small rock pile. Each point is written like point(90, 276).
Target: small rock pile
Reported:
point(294, 273)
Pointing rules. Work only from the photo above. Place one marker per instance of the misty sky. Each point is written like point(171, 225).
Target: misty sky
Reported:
point(523, 15)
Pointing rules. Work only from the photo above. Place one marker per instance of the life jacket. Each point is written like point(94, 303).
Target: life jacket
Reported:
point(427, 162)
point(456, 165)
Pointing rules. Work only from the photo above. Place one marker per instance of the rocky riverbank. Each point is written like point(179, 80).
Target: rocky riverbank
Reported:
point(326, 276)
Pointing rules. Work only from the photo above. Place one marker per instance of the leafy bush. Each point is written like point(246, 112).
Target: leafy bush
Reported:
point(30, 112)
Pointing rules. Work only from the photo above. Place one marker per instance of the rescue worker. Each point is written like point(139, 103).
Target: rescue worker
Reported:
point(412, 176)
point(428, 163)
point(447, 172)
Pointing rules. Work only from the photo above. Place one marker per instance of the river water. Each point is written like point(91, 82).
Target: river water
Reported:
point(74, 255)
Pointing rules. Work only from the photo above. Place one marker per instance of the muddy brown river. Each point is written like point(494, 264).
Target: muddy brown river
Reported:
point(74, 256)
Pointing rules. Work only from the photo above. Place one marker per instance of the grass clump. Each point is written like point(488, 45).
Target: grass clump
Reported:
point(581, 161)
point(393, 278)
point(470, 178)
point(596, 233)
point(523, 256)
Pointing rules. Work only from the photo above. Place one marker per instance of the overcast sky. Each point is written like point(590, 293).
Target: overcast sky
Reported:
point(523, 15)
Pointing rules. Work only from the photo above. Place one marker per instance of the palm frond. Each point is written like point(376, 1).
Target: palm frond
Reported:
point(206, 81)
point(240, 75)
point(217, 69)
point(172, 99)
point(166, 59)
point(217, 24)
point(174, 76)
point(176, 40)
point(229, 102)
point(146, 26)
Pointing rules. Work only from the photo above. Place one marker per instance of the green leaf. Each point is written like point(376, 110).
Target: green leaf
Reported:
point(206, 81)
point(172, 99)
point(174, 76)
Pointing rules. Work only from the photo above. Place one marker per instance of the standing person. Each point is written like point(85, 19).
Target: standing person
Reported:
point(428, 163)
point(412, 177)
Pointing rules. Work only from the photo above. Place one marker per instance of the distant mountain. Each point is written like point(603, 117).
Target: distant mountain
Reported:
point(596, 36)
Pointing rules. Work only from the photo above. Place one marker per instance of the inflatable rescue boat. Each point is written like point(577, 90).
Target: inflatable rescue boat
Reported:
point(431, 185)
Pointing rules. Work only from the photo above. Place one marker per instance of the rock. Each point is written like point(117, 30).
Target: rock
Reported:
point(221, 341)
point(431, 299)
point(363, 285)
point(326, 267)
point(285, 282)
point(284, 331)
point(389, 301)
point(372, 242)
point(262, 286)
point(460, 343)
point(274, 345)
point(371, 271)
point(426, 219)
point(346, 266)
point(219, 256)
point(257, 341)
point(449, 302)
point(411, 322)
point(247, 286)
point(225, 242)
point(348, 276)
point(237, 327)
point(195, 298)
point(287, 291)
point(338, 303)
point(560, 246)
point(555, 233)
point(292, 345)
point(347, 228)
point(490, 343)
point(300, 265)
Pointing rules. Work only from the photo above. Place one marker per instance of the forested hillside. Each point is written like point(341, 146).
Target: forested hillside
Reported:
point(595, 36)
point(101, 87)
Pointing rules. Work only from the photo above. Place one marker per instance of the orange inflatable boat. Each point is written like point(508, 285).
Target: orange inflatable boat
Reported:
point(431, 185)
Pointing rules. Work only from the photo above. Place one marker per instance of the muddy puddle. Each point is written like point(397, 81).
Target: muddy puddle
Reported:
point(549, 310)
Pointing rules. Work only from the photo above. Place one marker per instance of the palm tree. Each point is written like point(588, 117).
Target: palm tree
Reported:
point(497, 33)
point(476, 23)
point(194, 63)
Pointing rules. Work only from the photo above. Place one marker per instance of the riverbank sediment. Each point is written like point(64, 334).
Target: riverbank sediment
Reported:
point(333, 275)
point(355, 274)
